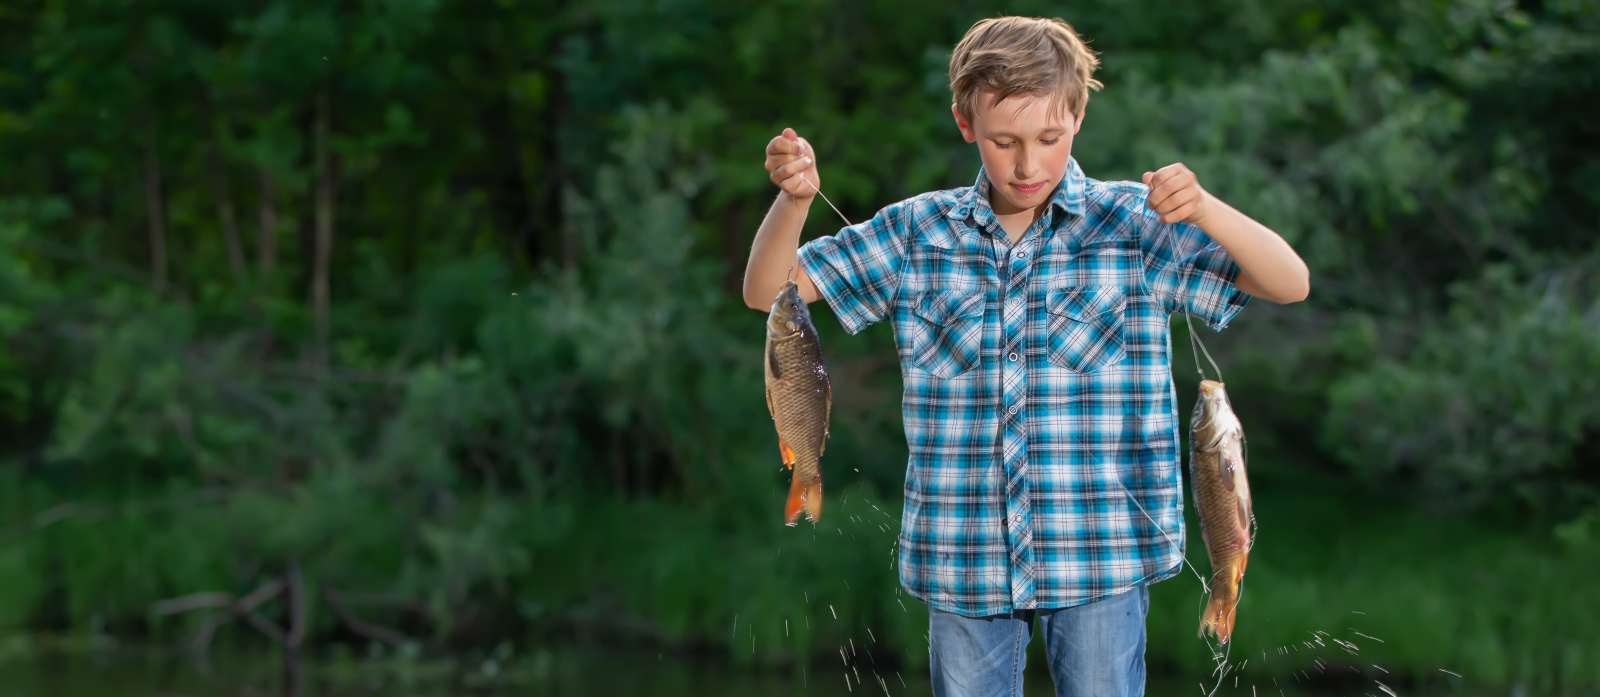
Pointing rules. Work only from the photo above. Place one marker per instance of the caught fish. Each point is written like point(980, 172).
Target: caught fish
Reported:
point(1222, 500)
point(799, 398)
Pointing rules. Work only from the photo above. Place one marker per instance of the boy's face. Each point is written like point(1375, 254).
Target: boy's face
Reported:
point(1024, 146)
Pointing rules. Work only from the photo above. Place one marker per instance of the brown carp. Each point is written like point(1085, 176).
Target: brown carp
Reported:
point(1222, 500)
point(799, 398)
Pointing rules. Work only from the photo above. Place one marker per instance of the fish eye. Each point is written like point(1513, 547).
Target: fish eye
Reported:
point(789, 324)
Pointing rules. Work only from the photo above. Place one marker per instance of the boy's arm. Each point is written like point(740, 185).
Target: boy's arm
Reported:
point(1270, 268)
point(774, 253)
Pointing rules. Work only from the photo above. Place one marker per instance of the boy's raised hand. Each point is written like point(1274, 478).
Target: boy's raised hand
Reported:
point(1176, 195)
point(791, 162)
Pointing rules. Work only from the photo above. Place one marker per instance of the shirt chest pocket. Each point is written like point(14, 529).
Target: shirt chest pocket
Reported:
point(1085, 325)
point(950, 332)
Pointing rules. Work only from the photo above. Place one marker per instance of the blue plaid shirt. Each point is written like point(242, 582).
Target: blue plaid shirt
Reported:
point(1038, 393)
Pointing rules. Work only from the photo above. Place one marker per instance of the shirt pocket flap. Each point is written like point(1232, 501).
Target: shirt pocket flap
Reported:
point(945, 307)
point(1086, 302)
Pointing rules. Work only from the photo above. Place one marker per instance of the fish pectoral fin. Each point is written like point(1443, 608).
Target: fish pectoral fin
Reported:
point(788, 453)
point(1225, 467)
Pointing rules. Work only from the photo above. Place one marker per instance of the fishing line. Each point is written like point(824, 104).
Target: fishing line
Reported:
point(1194, 342)
point(823, 195)
point(1222, 657)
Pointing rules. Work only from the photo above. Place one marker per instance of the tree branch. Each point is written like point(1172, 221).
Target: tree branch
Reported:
point(360, 626)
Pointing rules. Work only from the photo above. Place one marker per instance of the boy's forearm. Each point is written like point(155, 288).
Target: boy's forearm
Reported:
point(1271, 269)
point(774, 253)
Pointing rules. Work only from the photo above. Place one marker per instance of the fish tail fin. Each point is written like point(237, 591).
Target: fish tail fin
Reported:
point(803, 495)
point(1218, 619)
point(1221, 608)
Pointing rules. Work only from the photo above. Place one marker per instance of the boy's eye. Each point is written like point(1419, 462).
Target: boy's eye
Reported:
point(1003, 145)
point(1052, 141)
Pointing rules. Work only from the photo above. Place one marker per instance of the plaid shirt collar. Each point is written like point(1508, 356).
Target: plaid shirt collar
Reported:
point(974, 203)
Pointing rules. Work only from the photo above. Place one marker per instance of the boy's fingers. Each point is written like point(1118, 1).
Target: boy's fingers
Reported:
point(790, 134)
point(789, 170)
point(1169, 186)
point(1178, 214)
point(776, 161)
point(1186, 196)
point(782, 145)
point(796, 185)
point(1156, 178)
point(1161, 176)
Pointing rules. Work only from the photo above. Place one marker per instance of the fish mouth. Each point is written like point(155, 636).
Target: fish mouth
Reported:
point(788, 311)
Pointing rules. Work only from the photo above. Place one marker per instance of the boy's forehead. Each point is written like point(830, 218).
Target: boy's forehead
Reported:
point(1021, 112)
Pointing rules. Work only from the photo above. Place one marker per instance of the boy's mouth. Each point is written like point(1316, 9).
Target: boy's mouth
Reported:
point(1028, 189)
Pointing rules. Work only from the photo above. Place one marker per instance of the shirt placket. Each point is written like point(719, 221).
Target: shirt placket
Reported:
point(1014, 410)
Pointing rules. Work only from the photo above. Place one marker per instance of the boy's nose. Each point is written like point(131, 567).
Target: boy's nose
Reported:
point(1027, 163)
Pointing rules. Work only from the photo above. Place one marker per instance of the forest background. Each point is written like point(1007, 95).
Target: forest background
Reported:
point(420, 319)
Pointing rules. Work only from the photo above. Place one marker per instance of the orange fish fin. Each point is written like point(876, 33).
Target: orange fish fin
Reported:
point(788, 453)
point(1218, 619)
point(805, 496)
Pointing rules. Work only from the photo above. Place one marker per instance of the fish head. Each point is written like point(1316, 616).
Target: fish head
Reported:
point(1214, 395)
point(1213, 412)
point(789, 314)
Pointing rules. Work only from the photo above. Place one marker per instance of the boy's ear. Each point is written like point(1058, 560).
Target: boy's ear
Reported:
point(961, 123)
point(1078, 122)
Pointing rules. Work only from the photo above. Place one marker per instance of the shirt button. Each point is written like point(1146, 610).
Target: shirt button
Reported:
point(1016, 301)
point(1013, 410)
point(1021, 254)
point(1013, 356)
point(1017, 520)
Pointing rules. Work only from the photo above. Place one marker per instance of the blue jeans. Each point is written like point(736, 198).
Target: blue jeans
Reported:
point(1094, 650)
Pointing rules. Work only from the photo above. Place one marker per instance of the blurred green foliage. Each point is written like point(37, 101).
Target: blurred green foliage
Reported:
point(537, 407)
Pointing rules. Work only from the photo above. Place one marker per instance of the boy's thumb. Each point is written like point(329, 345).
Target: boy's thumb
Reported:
point(790, 134)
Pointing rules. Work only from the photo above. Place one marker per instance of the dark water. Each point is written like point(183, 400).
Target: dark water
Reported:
point(560, 672)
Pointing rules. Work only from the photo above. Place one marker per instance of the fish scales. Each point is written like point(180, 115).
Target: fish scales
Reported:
point(1222, 499)
point(799, 397)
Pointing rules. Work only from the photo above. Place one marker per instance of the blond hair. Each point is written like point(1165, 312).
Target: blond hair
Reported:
point(1027, 56)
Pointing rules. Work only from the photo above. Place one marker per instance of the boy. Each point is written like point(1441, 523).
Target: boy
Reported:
point(1031, 318)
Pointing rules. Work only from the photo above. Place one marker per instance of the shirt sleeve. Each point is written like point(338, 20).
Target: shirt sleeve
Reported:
point(858, 270)
point(1187, 270)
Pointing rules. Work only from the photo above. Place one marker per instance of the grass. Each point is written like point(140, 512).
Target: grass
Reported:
point(1501, 607)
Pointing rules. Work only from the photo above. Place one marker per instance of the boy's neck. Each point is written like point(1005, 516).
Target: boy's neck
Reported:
point(1015, 221)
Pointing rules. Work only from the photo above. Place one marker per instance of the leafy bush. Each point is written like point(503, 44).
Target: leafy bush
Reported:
point(1499, 397)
